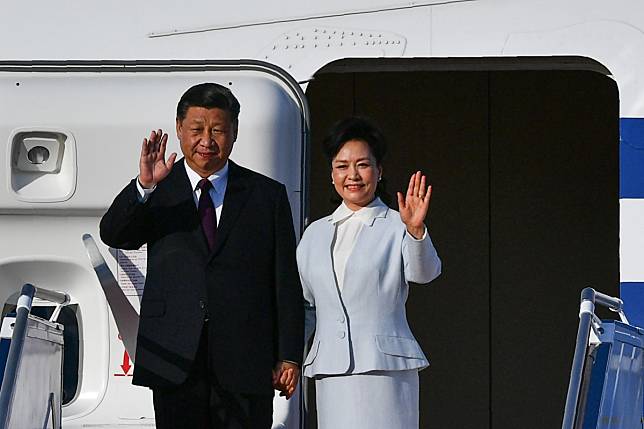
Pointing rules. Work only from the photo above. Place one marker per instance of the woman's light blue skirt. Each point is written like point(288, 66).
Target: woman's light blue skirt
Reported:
point(375, 400)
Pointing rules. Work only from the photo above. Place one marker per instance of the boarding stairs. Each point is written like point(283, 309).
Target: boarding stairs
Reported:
point(607, 375)
point(31, 353)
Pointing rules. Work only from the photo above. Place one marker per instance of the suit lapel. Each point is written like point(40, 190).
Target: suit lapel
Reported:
point(238, 191)
point(177, 186)
point(326, 245)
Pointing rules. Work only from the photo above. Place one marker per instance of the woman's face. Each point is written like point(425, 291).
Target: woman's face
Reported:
point(355, 173)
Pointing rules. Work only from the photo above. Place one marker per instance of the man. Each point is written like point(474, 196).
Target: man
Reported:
point(221, 321)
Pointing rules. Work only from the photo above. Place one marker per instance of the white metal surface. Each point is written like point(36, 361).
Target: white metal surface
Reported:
point(109, 113)
point(610, 33)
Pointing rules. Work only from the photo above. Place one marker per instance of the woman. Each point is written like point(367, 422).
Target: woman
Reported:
point(355, 266)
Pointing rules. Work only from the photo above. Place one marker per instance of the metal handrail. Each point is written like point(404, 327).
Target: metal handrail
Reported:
point(23, 308)
point(125, 316)
point(589, 297)
point(52, 296)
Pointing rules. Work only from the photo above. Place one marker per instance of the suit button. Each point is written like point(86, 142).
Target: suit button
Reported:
point(204, 309)
point(341, 334)
point(341, 319)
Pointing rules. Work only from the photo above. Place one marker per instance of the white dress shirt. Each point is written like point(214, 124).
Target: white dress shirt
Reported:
point(219, 180)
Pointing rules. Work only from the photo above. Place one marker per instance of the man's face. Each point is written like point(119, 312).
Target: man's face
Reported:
point(206, 137)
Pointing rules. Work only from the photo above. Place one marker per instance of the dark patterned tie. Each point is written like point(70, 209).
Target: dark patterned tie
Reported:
point(207, 212)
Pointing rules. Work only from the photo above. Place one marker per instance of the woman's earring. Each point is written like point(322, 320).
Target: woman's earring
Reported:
point(379, 178)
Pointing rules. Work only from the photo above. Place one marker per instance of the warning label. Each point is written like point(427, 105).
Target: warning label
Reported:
point(132, 268)
point(125, 366)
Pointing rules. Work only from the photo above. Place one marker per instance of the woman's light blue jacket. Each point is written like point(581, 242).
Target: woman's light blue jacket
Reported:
point(363, 328)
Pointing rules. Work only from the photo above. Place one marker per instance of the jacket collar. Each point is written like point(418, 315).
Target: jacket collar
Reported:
point(176, 187)
point(367, 215)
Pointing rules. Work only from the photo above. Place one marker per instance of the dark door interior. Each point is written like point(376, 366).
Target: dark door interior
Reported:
point(524, 214)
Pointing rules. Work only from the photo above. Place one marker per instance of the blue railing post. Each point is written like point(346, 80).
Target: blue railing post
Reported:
point(15, 352)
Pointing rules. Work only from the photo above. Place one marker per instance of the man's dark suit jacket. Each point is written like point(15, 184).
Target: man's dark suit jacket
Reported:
point(248, 286)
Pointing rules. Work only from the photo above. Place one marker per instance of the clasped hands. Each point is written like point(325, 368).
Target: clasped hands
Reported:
point(285, 378)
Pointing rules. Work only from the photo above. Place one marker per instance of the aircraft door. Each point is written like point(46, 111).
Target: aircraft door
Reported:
point(73, 134)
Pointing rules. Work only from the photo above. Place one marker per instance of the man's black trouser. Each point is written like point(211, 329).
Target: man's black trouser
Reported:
point(201, 403)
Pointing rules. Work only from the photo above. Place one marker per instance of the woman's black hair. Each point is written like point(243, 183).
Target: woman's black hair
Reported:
point(358, 128)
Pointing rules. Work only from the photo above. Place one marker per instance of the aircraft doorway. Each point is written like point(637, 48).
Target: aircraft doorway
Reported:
point(524, 215)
